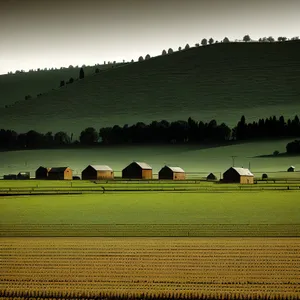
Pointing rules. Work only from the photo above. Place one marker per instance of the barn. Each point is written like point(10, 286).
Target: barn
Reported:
point(238, 175)
point(173, 173)
point(97, 172)
point(60, 173)
point(42, 173)
point(137, 170)
point(291, 169)
point(211, 176)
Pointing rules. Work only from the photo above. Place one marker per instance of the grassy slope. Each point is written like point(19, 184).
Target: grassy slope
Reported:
point(220, 81)
point(14, 87)
point(154, 208)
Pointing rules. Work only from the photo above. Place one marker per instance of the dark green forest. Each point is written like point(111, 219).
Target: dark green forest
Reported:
point(160, 132)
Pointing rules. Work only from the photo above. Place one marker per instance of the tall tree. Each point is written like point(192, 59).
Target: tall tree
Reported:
point(81, 73)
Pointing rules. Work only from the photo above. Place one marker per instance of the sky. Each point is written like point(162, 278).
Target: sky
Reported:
point(52, 33)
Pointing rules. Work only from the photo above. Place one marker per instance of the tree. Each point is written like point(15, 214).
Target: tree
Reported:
point(61, 138)
point(164, 52)
point(89, 136)
point(187, 46)
point(204, 42)
point(81, 73)
point(71, 80)
point(141, 58)
point(211, 41)
point(281, 39)
point(170, 51)
point(246, 38)
point(62, 83)
point(97, 70)
point(271, 39)
point(147, 57)
point(197, 45)
point(226, 40)
point(179, 48)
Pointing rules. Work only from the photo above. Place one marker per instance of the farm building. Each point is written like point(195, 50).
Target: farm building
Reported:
point(211, 176)
point(97, 172)
point(42, 173)
point(137, 170)
point(238, 175)
point(173, 173)
point(60, 173)
point(23, 175)
point(291, 169)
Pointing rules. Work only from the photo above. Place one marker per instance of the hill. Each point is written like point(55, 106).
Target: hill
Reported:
point(221, 81)
point(14, 87)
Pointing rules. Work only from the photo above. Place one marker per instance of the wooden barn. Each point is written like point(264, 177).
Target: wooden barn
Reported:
point(173, 173)
point(42, 173)
point(137, 170)
point(238, 175)
point(211, 176)
point(97, 172)
point(60, 173)
point(291, 169)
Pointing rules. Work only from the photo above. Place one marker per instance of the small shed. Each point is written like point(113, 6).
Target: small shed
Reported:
point(211, 176)
point(23, 175)
point(60, 173)
point(173, 173)
point(238, 175)
point(42, 173)
point(137, 170)
point(291, 169)
point(97, 172)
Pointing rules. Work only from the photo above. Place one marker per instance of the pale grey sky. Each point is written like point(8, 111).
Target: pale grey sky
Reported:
point(44, 33)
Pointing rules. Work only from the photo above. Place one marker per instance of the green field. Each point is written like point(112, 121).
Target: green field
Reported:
point(221, 82)
point(264, 213)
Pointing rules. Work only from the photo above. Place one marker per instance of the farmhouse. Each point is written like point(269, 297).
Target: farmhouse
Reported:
point(42, 173)
point(97, 172)
point(137, 170)
point(211, 176)
point(60, 173)
point(291, 169)
point(238, 175)
point(173, 173)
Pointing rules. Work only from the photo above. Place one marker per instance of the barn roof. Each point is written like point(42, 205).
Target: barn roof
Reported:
point(243, 171)
point(143, 165)
point(58, 169)
point(101, 168)
point(176, 169)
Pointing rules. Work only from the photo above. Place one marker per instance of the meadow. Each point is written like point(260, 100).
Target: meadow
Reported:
point(197, 160)
point(221, 81)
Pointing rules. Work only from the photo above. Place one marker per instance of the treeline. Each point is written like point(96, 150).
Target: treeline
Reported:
point(162, 132)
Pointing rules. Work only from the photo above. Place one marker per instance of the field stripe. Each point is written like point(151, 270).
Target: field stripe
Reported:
point(150, 230)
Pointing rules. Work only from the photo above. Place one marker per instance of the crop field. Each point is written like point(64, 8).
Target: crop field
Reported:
point(235, 268)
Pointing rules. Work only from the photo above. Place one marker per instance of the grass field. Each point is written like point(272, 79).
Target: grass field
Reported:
point(222, 82)
point(145, 268)
point(268, 213)
point(197, 160)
